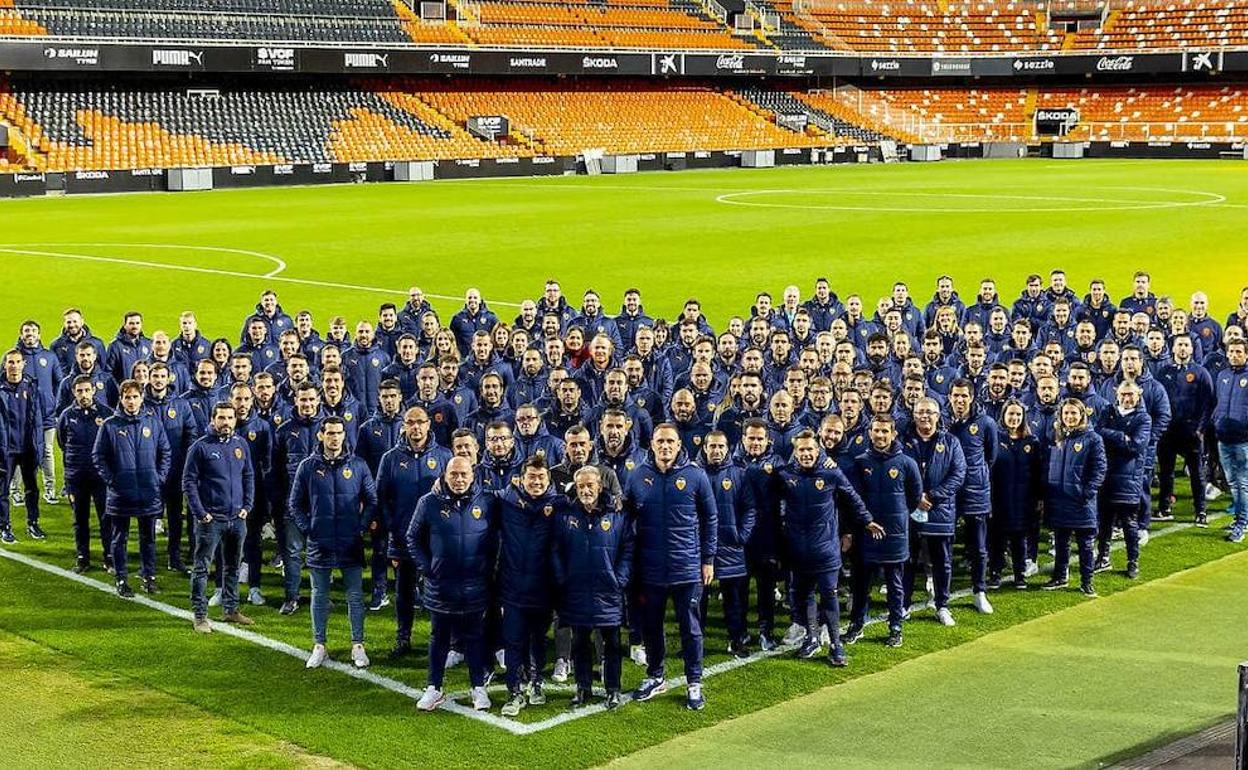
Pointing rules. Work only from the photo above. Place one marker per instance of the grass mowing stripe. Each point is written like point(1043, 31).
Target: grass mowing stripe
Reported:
point(1095, 682)
point(270, 644)
point(75, 715)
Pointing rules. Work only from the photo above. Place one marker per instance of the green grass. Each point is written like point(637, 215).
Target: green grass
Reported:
point(666, 234)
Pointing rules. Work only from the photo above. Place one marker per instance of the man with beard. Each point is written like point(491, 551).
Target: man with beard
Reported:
point(749, 404)
point(977, 432)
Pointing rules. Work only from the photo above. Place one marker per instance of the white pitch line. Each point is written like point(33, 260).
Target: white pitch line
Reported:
point(237, 274)
point(1117, 204)
point(278, 261)
point(263, 641)
point(512, 726)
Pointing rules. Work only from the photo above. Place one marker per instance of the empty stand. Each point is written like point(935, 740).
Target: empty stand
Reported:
point(1170, 24)
point(825, 123)
point(923, 27)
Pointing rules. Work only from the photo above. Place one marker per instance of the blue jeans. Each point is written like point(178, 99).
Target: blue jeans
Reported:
point(229, 535)
point(353, 580)
point(1235, 465)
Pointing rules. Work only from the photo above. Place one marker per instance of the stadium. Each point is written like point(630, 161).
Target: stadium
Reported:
point(382, 396)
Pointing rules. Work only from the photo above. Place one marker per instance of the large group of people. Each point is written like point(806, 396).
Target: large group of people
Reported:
point(581, 471)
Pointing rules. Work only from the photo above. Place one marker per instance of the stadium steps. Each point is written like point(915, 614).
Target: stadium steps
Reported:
point(1029, 106)
point(1068, 41)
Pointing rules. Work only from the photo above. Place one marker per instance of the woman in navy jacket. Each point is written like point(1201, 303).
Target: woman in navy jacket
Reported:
point(890, 484)
point(735, 504)
point(592, 563)
point(943, 468)
point(131, 454)
point(1124, 429)
point(1075, 474)
point(1017, 478)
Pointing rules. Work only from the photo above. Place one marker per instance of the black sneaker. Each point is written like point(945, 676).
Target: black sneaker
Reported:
point(836, 655)
point(1087, 589)
point(6, 536)
point(82, 565)
point(613, 700)
point(378, 602)
point(852, 634)
point(1055, 583)
point(35, 532)
point(276, 562)
point(1164, 515)
point(1020, 584)
point(124, 590)
point(400, 649)
point(738, 649)
point(582, 698)
point(149, 586)
point(1133, 570)
point(1202, 520)
point(177, 565)
point(894, 638)
point(810, 648)
point(994, 581)
point(289, 607)
point(1102, 565)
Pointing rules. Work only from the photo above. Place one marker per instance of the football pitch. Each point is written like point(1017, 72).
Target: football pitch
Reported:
point(1049, 680)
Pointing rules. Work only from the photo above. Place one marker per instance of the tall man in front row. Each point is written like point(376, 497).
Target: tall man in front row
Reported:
point(671, 503)
point(219, 483)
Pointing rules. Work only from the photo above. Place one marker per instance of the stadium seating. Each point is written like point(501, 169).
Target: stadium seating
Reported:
point(617, 115)
point(923, 27)
point(825, 124)
point(958, 114)
point(625, 24)
point(1175, 23)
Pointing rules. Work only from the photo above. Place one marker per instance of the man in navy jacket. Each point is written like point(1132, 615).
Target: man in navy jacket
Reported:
point(1124, 429)
point(23, 417)
point(670, 501)
point(977, 432)
point(1189, 387)
point(1230, 421)
point(735, 509)
point(332, 503)
point(131, 454)
point(219, 483)
point(890, 484)
point(76, 430)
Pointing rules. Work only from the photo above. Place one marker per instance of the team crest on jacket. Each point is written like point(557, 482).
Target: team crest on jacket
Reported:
point(548, 510)
point(819, 484)
point(1191, 377)
point(476, 512)
point(172, 413)
point(697, 441)
point(238, 453)
point(1243, 382)
point(974, 429)
point(376, 362)
point(629, 465)
point(680, 483)
point(347, 416)
point(726, 484)
point(346, 473)
point(892, 473)
point(605, 524)
point(1078, 446)
point(768, 467)
point(99, 420)
point(1027, 448)
point(940, 378)
point(277, 419)
point(147, 432)
point(940, 448)
point(432, 463)
point(459, 399)
point(251, 435)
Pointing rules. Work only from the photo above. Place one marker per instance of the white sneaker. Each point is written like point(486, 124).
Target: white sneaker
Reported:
point(255, 597)
point(1143, 537)
point(825, 638)
point(215, 599)
point(930, 587)
point(481, 699)
point(431, 699)
point(981, 603)
point(319, 655)
point(560, 674)
point(1030, 569)
point(945, 617)
point(244, 572)
point(501, 657)
point(638, 654)
point(358, 656)
point(454, 658)
point(795, 634)
point(160, 526)
point(1212, 492)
